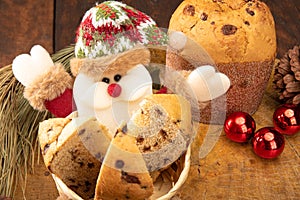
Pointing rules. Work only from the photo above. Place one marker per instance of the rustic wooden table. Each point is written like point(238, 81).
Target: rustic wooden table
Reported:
point(233, 171)
point(230, 170)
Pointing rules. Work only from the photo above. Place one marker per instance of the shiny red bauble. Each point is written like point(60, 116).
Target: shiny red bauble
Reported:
point(286, 119)
point(268, 143)
point(239, 126)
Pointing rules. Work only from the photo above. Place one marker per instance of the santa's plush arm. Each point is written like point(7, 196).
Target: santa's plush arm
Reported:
point(205, 82)
point(47, 85)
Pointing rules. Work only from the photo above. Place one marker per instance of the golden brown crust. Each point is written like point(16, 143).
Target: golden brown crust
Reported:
point(229, 30)
point(48, 86)
point(49, 131)
point(240, 37)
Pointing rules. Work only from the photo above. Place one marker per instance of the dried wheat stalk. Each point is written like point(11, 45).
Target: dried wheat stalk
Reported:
point(18, 128)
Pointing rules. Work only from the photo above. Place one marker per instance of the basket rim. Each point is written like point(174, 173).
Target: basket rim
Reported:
point(65, 190)
point(182, 178)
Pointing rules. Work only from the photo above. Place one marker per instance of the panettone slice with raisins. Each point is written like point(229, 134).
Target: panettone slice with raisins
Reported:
point(73, 150)
point(163, 128)
point(124, 174)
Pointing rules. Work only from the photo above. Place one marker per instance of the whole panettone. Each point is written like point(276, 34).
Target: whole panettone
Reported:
point(240, 37)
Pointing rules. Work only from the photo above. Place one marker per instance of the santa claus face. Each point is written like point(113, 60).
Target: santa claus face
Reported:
point(113, 95)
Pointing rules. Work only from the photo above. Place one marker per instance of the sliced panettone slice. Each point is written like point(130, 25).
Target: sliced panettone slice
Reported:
point(124, 174)
point(49, 131)
point(163, 129)
point(76, 154)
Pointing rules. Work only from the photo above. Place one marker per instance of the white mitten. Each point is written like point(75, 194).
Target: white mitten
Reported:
point(27, 68)
point(208, 84)
point(44, 81)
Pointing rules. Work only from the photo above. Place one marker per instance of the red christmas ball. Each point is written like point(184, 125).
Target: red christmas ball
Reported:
point(268, 143)
point(239, 126)
point(286, 119)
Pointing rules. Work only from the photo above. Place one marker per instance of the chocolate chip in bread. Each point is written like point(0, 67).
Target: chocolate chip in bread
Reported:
point(76, 153)
point(240, 37)
point(124, 174)
point(163, 129)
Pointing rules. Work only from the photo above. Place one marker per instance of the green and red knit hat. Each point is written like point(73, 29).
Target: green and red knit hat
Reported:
point(113, 27)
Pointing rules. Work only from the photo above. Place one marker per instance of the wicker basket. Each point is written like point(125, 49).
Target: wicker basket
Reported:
point(165, 187)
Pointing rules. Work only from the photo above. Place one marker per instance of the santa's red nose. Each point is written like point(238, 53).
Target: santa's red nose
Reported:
point(114, 90)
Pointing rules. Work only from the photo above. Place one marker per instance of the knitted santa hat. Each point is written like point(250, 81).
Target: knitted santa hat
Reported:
point(113, 27)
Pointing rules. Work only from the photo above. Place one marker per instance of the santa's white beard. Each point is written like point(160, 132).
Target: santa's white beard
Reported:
point(93, 100)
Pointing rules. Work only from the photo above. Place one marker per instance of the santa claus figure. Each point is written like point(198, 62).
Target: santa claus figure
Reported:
point(114, 69)
point(109, 70)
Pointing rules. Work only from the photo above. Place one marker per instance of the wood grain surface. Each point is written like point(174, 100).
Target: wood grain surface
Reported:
point(68, 14)
point(286, 14)
point(23, 24)
point(230, 170)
